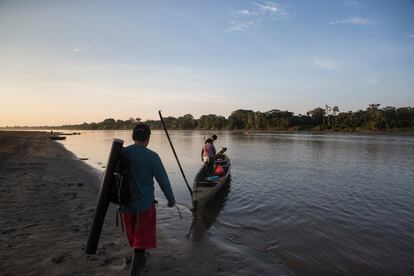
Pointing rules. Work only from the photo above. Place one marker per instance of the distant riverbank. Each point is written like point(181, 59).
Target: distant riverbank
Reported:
point(395, 131)
point(329, 118)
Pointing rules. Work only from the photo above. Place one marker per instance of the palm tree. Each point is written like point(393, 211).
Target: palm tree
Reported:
point(335, 112)
point(328, 110)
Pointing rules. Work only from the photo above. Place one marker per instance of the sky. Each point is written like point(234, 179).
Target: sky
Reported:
point(69, 62)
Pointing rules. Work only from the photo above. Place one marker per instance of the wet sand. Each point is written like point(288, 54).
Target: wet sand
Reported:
point(47, 199)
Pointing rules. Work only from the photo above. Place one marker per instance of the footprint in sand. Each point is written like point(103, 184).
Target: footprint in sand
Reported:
point(92, 258)
point(9, 231)
point(106, 261)
point(164, 268)
point(59, 259)
point(72, 195)
point(30, 225)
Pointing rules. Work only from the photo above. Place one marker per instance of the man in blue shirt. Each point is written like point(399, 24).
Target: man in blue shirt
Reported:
point(140, 215)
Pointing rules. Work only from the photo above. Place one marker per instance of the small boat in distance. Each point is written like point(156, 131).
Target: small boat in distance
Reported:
point(205, 187)
point(72, 133)
point(55, 137)
point(56, 133)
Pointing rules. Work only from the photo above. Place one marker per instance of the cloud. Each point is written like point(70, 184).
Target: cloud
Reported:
point(81, 47)
point(351, 3)
point(353, 21)
point(243, 13)
point(236, 25)
point(326, 64)
point(373, 81)
point(410, 35)
point(258, 12)
point(268, 7)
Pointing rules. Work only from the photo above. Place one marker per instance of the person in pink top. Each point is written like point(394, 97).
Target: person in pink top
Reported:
point(208, 154)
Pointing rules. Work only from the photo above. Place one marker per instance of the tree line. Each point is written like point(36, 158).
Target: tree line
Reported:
point(320, 118)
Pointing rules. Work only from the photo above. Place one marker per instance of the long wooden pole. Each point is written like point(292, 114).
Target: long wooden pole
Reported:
point(175, 154)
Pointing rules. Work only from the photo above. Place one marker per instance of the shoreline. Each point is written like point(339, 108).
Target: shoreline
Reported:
point(46, 205)
point(398, 132)
point(47, 201)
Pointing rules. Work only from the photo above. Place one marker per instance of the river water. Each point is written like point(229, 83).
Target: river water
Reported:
point(313, 204)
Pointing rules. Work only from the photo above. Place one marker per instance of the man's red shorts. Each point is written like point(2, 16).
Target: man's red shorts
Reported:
point(141, 228)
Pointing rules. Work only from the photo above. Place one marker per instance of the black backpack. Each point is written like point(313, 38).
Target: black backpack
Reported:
point(121, 185)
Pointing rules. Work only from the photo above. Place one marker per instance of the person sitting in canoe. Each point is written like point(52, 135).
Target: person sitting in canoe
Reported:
point(208, 154)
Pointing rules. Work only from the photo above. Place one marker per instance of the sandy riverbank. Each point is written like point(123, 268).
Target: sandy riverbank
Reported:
point(46, 203)
point(47, 199)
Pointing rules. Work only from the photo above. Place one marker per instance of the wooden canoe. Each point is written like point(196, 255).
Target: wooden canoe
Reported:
point(57, 137)
point(204, 187)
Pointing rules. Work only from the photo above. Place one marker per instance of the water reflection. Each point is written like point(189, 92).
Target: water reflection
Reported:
point(205, 216)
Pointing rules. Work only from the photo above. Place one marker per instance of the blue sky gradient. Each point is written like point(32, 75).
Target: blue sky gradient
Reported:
point(90, 60)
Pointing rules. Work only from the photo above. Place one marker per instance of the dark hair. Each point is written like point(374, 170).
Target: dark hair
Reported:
point(141, 132)
point(214, 137)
